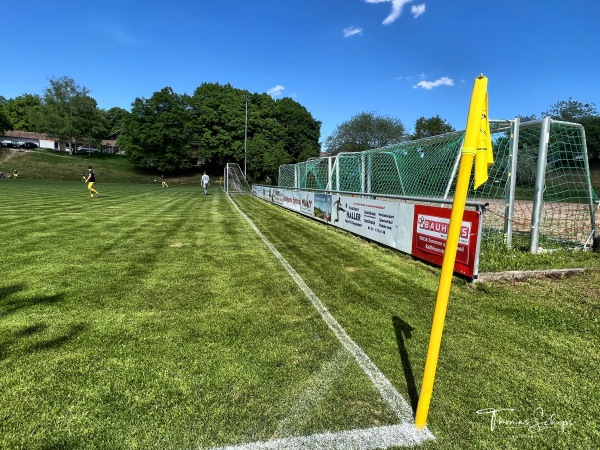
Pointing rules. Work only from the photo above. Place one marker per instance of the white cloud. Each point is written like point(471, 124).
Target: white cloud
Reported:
point(417, 10)
point(397, 6)
point(276, 90)
point(444, 81)
point(352, 31)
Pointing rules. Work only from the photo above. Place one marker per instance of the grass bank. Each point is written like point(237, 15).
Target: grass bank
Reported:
point(60, 166)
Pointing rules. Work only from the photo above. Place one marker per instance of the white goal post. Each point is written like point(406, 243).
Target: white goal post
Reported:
point(234, 181)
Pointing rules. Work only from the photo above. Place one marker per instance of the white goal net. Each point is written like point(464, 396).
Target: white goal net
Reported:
point(234, 180)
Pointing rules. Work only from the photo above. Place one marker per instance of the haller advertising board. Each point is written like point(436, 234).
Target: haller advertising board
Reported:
point(373, 219)
point(430, 233)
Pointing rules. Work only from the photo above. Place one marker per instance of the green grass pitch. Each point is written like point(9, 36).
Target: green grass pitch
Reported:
point(157, 318)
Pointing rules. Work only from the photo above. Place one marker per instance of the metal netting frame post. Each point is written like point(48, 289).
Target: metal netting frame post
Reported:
point(512, 182)
point(594, 234)
point(454, 171)
point(362, 175)
point(540, 180)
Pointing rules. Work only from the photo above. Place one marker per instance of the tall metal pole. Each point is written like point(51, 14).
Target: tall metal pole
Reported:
point(245, 135)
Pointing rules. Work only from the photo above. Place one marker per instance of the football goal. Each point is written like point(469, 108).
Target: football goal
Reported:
point(234, 180)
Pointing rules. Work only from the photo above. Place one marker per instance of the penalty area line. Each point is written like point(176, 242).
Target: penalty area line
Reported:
point(387, 391)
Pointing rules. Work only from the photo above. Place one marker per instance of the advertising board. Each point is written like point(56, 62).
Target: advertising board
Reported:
point(430, 231)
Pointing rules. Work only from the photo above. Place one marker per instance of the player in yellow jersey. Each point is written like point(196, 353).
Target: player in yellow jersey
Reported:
point(91, 182)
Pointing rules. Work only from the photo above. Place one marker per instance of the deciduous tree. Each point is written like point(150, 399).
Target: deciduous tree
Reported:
point(430, 127)
point(4, 122)
point(156, 133)
point(365, 131)
point(22, 111)
point(571, 110)
point(591, 126)
point(114, 119)
point(70, 114)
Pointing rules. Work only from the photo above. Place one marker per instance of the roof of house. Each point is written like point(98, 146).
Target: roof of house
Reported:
point(26, 135)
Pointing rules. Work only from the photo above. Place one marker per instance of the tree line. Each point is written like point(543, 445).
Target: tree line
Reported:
point(218, 124)
point(171, 132)
point(367, 130)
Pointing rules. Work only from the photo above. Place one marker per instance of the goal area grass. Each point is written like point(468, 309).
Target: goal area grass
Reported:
point(157, 318)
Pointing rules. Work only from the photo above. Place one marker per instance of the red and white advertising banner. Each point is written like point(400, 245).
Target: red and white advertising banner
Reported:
point(374, 219)
point(291, 200)
point(431, 231)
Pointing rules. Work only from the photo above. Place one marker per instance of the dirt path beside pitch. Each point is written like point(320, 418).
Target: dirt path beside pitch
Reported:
point(8, 157)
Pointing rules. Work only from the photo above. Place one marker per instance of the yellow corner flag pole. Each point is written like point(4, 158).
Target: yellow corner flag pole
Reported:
point(477, 145)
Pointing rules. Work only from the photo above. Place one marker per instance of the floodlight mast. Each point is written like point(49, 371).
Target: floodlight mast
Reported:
point(245, 134)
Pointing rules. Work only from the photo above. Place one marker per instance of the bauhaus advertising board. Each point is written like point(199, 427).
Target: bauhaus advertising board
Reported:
point(430, 231)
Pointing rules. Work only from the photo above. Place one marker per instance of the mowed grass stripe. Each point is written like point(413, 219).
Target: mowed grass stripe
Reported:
point(126, 330)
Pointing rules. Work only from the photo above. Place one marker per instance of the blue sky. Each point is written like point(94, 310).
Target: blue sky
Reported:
point(338, 58)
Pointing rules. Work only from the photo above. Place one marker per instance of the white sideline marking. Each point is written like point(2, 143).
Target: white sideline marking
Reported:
point(404, 434)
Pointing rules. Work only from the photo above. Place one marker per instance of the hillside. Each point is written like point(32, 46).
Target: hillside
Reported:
point(59, 166)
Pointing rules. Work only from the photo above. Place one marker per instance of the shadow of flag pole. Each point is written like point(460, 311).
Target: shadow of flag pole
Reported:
point(477, 146)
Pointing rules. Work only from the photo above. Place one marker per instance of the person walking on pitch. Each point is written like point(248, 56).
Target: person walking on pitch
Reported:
point(205, 181)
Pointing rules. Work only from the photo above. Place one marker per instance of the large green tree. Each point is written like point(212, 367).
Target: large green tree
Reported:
point(217, 131)
point(591, 126)
point(300, 132)
point(70, 114)
point(22, 111)
point(277, 130)
point(365, 131)
point(114, 119)
point(433, 126)
point(5, 124)
point(571, 110)
point(156, 134)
